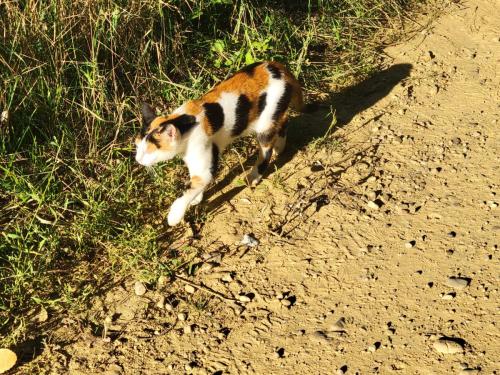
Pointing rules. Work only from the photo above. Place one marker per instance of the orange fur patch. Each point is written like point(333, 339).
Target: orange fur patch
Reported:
point(196, 182)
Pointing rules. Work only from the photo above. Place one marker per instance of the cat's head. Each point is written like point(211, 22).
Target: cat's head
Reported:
point(160, 138)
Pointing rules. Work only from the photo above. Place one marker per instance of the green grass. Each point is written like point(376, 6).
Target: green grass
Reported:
point(76, 212)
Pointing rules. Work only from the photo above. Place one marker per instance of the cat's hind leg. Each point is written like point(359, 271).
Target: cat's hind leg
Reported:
point(280, 142)
point(266, 142)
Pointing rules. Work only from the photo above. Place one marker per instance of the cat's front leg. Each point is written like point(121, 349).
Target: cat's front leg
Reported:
point(177, 211)
point(180, 205)
point(197, 200)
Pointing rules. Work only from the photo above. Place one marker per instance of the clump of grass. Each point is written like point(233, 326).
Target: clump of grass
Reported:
point(75, 211)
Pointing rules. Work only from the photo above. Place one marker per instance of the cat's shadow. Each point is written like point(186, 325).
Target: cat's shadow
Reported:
point(307, 128)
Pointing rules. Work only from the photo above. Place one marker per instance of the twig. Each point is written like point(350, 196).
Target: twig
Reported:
point(206, 289)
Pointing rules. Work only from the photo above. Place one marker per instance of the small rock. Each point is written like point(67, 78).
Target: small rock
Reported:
point(492, 204)
point(342, 370)
point(7, 360)
point(371, 349)
point(188, 329)
point(244, 298)
point(280, 353)
point(371, 195)
point(469, 371)
point(227, 278)
point(410, 244)
point(139, 288)
point(448, 296)
point(168, 307)
point(249, 240)
point(161, 302)
point(447, 346)
point(373, 205)
point(286, 302)
point(339, 325)
point(182, 316)
point(458, 282)
point(190, 289)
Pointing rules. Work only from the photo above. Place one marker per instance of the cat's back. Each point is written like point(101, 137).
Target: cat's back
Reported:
point(251, 94)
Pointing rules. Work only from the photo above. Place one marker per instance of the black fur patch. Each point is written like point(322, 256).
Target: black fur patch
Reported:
point(242, 112)
point(150, 138)
point(283, 129)
point(250, 69)
point(283, 103)
point(215, 159)
point(262, 102)
point(275, 72)
point(148, 115)
point(215, 115)
point(184, 123)
point(266, 137)
point(265, 163)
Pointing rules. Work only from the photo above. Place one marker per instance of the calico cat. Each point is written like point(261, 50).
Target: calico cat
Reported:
point(254, 100)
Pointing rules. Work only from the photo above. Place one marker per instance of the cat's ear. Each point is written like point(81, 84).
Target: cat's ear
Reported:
point(171, 133)
point(148, 114)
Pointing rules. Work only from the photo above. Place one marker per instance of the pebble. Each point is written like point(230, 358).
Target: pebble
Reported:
point(286, 302)
point(168, 307)
point(7, 360)
point(469, 371)
point(458, 282)
point(190, 289)
point(410, 244)
point(182, 316)
point(447, 346)
point(161, 303)
point(227, 277)
point(342, 370)
point(280, 353)
point(139, 288)
point(448, 296)
point(371, 348)
point(243, 298)
point(373, 205)
point(339, 325)
point(188, 329)
point(249, 240)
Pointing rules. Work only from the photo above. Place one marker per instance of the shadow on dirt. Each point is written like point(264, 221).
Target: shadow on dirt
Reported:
point(306, 128)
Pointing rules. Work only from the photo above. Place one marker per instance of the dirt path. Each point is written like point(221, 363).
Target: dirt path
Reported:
point(359, 237)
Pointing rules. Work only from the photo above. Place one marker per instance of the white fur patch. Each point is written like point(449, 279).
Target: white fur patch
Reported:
point(177, 211)
point(229, 102)
point(275, 91)
point(141, 155)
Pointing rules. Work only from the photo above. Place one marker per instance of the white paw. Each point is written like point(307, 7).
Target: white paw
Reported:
point(177, 211)
point(197, 199)
point(254, 177)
